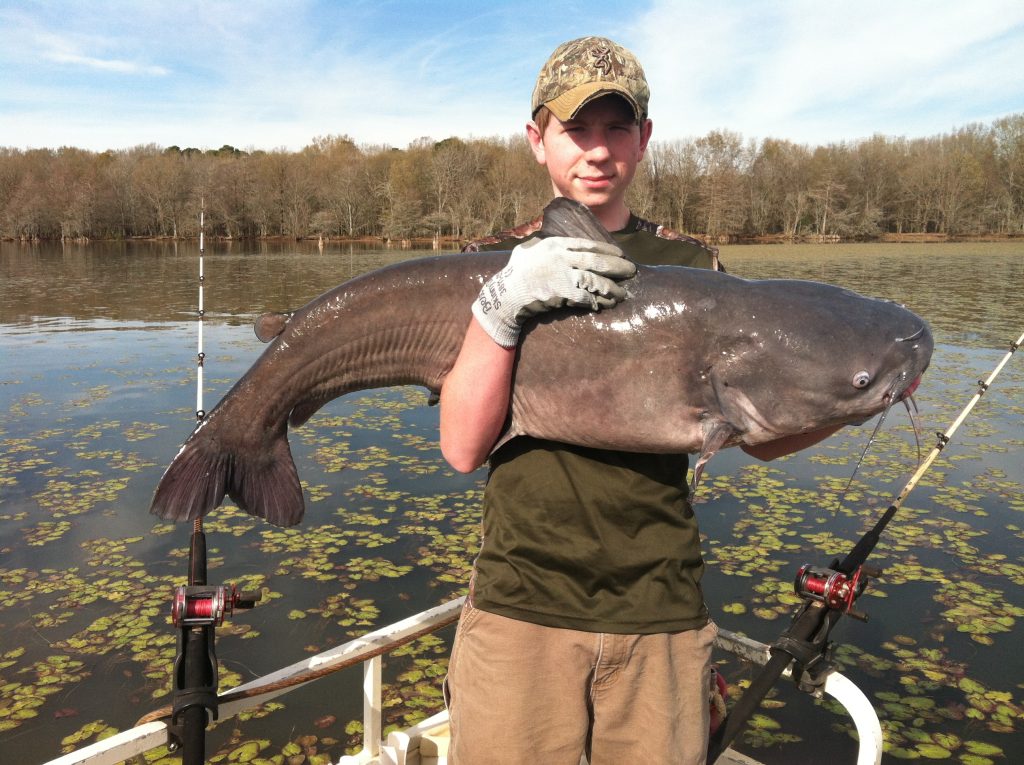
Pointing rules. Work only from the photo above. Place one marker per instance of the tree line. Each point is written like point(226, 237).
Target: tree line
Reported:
point(969, 182)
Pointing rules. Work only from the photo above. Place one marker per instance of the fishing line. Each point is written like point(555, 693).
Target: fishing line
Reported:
point(863, 454)
point(873, 437)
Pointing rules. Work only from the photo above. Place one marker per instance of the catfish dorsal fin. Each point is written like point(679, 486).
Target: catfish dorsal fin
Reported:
point(567, 217)
point(270, 325)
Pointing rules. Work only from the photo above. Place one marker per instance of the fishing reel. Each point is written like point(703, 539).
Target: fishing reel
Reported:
point(201, 606)
point(838, 591)
point(811, 649)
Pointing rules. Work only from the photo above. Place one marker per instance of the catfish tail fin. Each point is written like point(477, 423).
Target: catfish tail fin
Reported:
point(265, 484)
point(269, 487)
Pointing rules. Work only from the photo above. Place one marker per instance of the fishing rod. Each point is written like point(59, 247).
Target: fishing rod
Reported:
point(198, 608)
point(828, 594)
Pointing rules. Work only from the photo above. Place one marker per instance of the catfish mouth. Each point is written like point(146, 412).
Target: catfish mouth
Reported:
point(908, 392)
point(898, 392)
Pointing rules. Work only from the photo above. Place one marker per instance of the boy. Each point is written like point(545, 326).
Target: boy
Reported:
point(585, 630)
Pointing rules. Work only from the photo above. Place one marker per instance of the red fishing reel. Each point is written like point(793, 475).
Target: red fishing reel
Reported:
point(835, 589)
point(199, 606)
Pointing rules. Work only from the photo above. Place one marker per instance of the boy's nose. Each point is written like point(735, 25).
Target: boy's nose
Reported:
point(598, 151)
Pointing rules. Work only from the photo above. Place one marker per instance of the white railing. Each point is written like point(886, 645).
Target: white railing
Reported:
point(402, 748)
point(366, 649)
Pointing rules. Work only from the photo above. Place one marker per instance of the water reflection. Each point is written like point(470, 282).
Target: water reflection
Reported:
point(157, 281)
point(970, 291)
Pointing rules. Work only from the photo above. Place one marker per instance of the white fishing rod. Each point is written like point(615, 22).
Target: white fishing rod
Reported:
point(944, 437)
point(199, 577)
point(198, 608)
point(200, 355)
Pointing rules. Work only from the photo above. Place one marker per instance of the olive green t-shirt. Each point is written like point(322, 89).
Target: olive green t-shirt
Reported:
point(592, 539)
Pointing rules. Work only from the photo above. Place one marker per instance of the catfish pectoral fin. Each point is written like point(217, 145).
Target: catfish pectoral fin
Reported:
point(716, 435)
point(265, 484)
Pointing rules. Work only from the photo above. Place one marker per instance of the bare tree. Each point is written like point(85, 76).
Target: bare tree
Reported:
point(966, 182)
point(720, 158)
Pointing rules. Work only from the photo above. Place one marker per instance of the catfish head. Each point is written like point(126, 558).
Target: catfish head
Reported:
point(809, 356)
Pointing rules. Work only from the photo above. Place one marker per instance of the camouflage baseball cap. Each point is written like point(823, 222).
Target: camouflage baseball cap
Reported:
point(587, 68)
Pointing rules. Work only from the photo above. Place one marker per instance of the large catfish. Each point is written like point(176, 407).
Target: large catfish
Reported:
point(692, 361)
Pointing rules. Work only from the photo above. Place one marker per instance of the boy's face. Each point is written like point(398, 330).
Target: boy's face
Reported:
point(594, 157)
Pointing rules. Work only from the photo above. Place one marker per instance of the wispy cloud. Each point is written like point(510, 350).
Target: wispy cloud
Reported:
point(259, 73)
point(37, 40)
point(798, 70)
point(106, 65)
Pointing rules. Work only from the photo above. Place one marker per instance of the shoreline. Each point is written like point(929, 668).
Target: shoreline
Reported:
point(447, 242)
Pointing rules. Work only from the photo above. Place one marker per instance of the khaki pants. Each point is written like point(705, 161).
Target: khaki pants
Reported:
point(523, 694)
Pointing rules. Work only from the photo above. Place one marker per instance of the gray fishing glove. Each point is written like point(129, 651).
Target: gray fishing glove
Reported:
point(543, 274)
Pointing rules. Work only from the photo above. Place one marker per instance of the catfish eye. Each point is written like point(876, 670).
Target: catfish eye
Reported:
point(861, 379)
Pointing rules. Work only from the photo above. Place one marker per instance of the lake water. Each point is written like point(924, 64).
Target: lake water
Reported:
point(97, 391)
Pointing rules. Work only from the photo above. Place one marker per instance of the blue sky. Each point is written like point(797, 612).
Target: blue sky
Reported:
point(259, 74)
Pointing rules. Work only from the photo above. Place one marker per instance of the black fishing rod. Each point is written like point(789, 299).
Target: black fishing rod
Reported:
point(828, 594)
point(198, 609)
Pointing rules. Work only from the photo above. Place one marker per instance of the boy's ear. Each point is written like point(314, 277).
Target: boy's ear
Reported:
point(646, 128)
point(536, 139)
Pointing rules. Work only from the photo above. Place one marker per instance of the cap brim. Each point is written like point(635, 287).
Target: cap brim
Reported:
point(566, 106)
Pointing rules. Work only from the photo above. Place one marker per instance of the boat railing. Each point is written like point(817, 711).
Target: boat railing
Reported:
point(402, 748)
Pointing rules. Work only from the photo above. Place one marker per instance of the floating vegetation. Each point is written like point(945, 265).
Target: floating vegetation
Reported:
point(977, 610)
point(20, 407)
point(765, 529)
point(87, 734)
point(79, 493)
point(93, 396)
point(86, 575)
point(25, 691)
point(763, 731)
point(118, 460)
point(774, 598)
point(934, 693)
point(140, 431)
point(45, 532)
point(348, 611)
